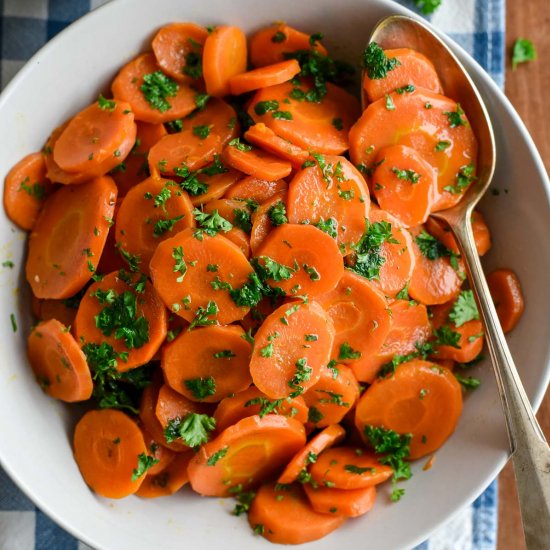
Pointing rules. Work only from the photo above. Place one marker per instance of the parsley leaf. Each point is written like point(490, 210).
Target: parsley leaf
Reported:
point(407, 175)
point(464, 178)
point(302, 374)
point(279, 36)
point(347, 352)
point(523, 51)
point(202, 132)
point(464, 309)
point(213, 459)
point(194, 429)
point(469, 383)
point(263, 107)
point(430, 247)
point(377, 63)
point(243, 220)
point(156, 88)
point(239, 145)
point(277, 213)
point(162, 226)
point(36, 190)
point(268, 406)
point(211, 224)
point(193, 65)
point(446, 336)
point(455, 117)
point(328, 226)
point(427, 7)
point(314, 415)
point(106, 104)
point(202, 314)
point(144, 463)
point(179, 263)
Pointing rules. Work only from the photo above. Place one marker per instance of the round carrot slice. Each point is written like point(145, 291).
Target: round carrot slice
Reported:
point(350, 503)
point(315, 262)
point(107, 444)
point(241, 239)
point(207, 364)
point(217, 186)
point(262, 223)
point(506, 292)
point(332, 190)
point(181, 275)
point(155, 449)
point(421, 398)
point(231, 210)
point(224, 56)
point(255, 189)
point(59, 310)
point(269, 75)
point(68, 238)
point(291, 347)
point(331, 435)
point(58, 363)
point(245, 454)
point(126, 313)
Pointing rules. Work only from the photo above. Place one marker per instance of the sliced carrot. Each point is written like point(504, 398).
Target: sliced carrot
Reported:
point(330, 436)
point(207, 364)
point(245, 454)
point(151, 212)
point(59, 310)
point(107, 444)
point(313, 257)
point(506, 293)
point(252, 401)
point(421, 398)
point(414, 69)
point(291, 347)
point(164, 455)
point(241, 239)
point(308, 125)
point(58, 363)
point(348, 468)
point(229, 209)
point(224, 56)
point(111, 259)
point(270, 44)
point(404, 184)
point(68, 238)
point(217, 186)
point(255, 189)
point(350, 503)
point(268, 75)
point(148, 322)
point(182, 277)
point(178, 50)
point(25, 189)
point(261, 219)
point(173, 100)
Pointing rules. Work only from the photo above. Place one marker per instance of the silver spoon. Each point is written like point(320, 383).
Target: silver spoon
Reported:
point(530, 451)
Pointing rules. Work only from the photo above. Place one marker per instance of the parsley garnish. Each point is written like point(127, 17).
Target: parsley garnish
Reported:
point(193, 65)
point(390, 105)
point(302, 374)
point(353, 469)
point(194, 429)
point(202, 314)
point(446, 336)
point(202, 132)
point(144, 463)
point(243, 219)
point(279, 36)
point(464, 309)
point(432, 248)
point(464, 178)
point(36, 190)
point(469, 383)
point(201, 100)
point(523, 51)
point(223, 354)
point(347, 352)
point(455, 117)
point(407, 175)
point(211, 224)
point(427, 7)
point(442, 145)
point(328, 226)
point(268, 406)
point(263, 107)
point(377, 63)
point(179, 263)
point(338, 123)
point(238, 144)
point(244, 499)
point(156, 88)
point(314, 415)
point(277, 213)
point(164, 225)
point(106, 104)
point(213, 459)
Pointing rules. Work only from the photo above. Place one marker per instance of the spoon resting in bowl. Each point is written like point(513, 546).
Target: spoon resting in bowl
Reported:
point(529, 449)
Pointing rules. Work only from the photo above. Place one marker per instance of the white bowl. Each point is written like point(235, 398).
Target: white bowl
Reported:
point(36, 431)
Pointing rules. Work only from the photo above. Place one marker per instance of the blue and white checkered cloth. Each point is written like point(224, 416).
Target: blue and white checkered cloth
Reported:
point(25, 26)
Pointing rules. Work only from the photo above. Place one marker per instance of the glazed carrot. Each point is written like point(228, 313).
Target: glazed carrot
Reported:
point(178, 50)
point(107, 444)
point(262, 223)
point(245, 454)
point(58, 363)
point(68, 238)
point(36, 306)
point(255, 162)
point(230, 209)
point(421, 398)
point(348, 468)
point(330, 436)
point(111, 259)
point(25, 190)
point(152, 211)
point(434, 125)
point(168, 481)
point(269, 45)
point(207, 364)
point(217, 186)
point(137, 333)
point(310, 126)
point(507, 295)
point(94, 137)
point(182, 277)
point(268, 75)
point(252, 401)
point(59, 310)
point(258, 190)
point(313, 257)
point(224, 56)
point(291, 347)
point(241, 239)
point(404, 184)
point(203, 135)
point(164, 455)
point(350, 503)
point(154, 97)
point(413, 69)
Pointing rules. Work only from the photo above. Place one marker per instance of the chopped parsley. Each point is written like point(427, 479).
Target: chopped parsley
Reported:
point(211, 224)
point(267, 406)
point(442, 145)
point(433, 248)
point(347, 352)
point(446, 336)
point(36, 190)
point(464, 308)
point(314, 415)
point(226, 353)
point(263, 107)
point(278, 37)
point(145, 462)
point(202, 132)
point(353, 469)
point(406, 175)
point(455, 117)
point(212, 460)
point(239, 145)
point(469, 383)
point(194, 429)
point(464, 178)
point(106, 104)
point(193, 65)
point(201, 315)
point(328, 226)
point(377, 63)
point(427, 7)
point(201, 100)
point(156, 88)
point(179, 263)
point(277, 213)
point(522, 52)
point(302, 374)
point(338, 123)
point(390, 105)
point(164, 225)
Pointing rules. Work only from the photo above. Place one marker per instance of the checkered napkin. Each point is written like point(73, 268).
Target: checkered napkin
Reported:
point(25, 25)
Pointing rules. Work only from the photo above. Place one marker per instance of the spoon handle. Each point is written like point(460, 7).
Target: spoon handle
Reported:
point(530, 451)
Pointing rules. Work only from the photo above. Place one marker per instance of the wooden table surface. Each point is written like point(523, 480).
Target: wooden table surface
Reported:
point(527, 87)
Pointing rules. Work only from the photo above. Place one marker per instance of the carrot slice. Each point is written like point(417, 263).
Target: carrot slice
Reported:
point(25, 190)
point(308, 125)
point(137, 333)
point(231, 210)
point(261, 219)
point(107, 444)
point(152, 211)
point(255, 189)
point(404, 184)
point(432, 124)
point(58, 363)
point(313, 257)
point(224, 56)
point(269, 75)
point(331, 435)
point(164, 455)
point(94, 137)
point(181, 275)
point(252, 401)
point(169, 100)
point(421, 398)
point(291, 347)
point(178, 50)
point(270, 44)
point(331, 190)
point(241, 239)
point(414, 69)
point(207, 364)
point(217, 186)
point(59, 310)
point(245, 454)
point(68, 238)
point(506, 292)
point(350, 503)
